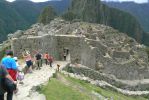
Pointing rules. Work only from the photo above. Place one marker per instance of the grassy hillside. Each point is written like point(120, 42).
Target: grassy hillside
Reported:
point(67, 88)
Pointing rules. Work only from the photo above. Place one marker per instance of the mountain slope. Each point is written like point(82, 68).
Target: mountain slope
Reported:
point(137, 10)
point(96, 12)
point(21, 14)
point(47, 15)
point(10, 20)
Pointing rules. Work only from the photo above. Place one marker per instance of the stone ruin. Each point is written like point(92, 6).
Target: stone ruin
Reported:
point(96, 46)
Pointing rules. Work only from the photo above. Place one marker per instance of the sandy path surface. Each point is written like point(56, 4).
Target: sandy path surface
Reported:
point(34, 79)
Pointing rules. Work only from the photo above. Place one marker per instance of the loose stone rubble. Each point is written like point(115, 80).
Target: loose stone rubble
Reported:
point(96, 46)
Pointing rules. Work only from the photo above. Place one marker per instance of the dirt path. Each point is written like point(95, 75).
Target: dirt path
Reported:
point(34, 79)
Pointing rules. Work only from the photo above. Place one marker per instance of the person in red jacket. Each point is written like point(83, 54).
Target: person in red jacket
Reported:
point(50, 60)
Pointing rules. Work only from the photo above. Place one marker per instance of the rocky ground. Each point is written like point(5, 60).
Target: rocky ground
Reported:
point(115, 54)
point(38, 77)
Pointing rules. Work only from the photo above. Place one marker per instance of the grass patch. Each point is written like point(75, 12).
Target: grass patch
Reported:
point(57, 90)
point(105, 91)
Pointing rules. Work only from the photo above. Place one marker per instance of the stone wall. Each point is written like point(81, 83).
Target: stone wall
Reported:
point(88, 55)
point(30, 44)
point(79, 50)
point(73, 44)
point(49, 44)
point(95, 75)
point(121, 54)
point(43, 44)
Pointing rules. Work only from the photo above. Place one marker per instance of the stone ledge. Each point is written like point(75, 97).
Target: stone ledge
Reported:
point(95, 75)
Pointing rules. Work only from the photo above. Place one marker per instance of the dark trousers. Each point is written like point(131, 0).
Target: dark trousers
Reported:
point(39, 63)
point(46, 61)
point(2, 97)
point(50, 63)
point(9, 96)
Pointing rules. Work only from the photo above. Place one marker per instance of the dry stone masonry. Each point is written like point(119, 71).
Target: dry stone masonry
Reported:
point(96, 46)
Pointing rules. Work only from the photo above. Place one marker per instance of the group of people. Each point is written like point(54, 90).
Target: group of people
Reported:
point(10, 72)
point(37, 59)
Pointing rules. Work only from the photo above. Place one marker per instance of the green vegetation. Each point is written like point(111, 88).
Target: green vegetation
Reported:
point(67, 88)
point(21, 14)
point(95, 12)
point(55, 90)
point(137, 10)
point(47, 15)
point(69, 16)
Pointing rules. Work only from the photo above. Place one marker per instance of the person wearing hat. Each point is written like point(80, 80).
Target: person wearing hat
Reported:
point(28, 59)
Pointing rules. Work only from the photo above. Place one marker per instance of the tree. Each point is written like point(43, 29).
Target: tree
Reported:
point(47, 15)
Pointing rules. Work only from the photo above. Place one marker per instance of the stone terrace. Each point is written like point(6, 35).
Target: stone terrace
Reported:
point(99, 47)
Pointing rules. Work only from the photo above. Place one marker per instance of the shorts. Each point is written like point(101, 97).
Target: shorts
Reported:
point(29, 63)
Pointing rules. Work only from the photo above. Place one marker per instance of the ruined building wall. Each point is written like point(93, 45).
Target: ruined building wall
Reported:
point(41, 44)
point(31, 44)
point(49, 44)
point(88, 55)
point(73, 43)
point(79, 51)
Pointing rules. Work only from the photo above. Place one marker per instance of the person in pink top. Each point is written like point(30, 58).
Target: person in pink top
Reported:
point(28, 60)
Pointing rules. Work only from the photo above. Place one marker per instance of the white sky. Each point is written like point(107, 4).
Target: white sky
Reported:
point(138, 1)
point(32, 0)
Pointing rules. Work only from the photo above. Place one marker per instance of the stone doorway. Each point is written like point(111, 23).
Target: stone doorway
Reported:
point(66, 54)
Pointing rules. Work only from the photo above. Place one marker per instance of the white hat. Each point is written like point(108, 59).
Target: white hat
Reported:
point(15, 58)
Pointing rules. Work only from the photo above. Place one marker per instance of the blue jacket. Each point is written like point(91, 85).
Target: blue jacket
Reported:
point(9, 63)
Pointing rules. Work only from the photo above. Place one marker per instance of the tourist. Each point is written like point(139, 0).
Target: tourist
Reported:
point(38, 57)
point(20, 74)
point(65, 56)
point(10, 64)
point(9, 82)
point(20, 77)
point(46, 56)
point(28, 60)
point(50, 60)
point(17, 64)
point(3, 75)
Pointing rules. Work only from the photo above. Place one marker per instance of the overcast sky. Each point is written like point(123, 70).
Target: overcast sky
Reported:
point(138, 1)
point(32, 0)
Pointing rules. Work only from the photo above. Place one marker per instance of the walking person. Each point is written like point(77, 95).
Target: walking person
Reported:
point(29, 62)
point(50, 60)
point(3, 75)
point(9, 82)
point(20, 74)
point(10, 64)
point(46, 56)
point(38, 57)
